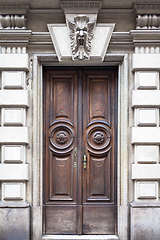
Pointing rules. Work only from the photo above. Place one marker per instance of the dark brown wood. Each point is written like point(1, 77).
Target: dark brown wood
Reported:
point(60, 138)
point(99, 127)
point(98, 219)
point(79, 152)
point(60, 219)
point(80, 111)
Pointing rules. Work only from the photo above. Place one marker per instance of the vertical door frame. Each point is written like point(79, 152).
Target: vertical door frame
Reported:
point(40, 60)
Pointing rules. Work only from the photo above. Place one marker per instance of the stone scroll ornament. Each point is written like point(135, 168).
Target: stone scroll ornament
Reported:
point(81, 34)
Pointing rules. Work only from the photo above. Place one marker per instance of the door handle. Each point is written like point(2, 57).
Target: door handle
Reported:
point(84, 159)
point(75, 157)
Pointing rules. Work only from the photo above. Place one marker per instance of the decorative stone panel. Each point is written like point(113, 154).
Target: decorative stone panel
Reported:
point(146, 117)
point(13, 80)
point(13, 117)
point(146, 80)
point(13, 191)
point(13, 154)
point(146, 153)
point(146, 190)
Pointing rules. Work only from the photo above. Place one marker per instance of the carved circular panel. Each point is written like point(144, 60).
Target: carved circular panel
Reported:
point(61, 137)
point(98, 137)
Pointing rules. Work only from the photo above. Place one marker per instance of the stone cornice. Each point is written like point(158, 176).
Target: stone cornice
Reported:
point(145, 37)
point(132, 38)
point(81, 6)
point(14, 37)
point(147, 8)
point(8, 8)
point(86, 4)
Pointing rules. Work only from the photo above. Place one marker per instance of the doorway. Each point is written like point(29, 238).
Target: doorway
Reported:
point(80, 150)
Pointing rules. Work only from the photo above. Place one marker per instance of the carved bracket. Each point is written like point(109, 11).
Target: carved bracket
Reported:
point(13, 16)
point(147, 16)
point(12, 21)
point(148, 21)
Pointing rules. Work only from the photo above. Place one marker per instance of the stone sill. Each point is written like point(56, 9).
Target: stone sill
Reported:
point(82, 237)
point(145, 204)
point(14, 204)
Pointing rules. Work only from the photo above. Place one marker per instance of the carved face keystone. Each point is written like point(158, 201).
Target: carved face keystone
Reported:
point(81, 34)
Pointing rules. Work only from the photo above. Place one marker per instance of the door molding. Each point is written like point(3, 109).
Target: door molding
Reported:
point(40, 60)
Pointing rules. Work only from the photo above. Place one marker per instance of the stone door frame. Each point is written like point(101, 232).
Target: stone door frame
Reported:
point(122, 61)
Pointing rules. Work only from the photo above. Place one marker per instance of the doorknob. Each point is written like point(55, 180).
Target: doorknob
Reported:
point(75, 157)
point(84, 159)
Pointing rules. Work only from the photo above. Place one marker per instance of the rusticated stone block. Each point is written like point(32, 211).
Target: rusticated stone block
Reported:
point(14, 223)
point(145, 223)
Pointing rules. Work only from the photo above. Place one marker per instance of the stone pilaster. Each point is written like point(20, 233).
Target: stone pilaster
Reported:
point(145, 209)
point(14, 132)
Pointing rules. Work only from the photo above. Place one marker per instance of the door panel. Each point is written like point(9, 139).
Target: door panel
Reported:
point(80, 115)
point(98, 219)
point(99, 176)
point(60, 121)
point(60, 219)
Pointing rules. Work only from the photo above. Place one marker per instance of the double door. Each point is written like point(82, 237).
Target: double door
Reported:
point(80, 127)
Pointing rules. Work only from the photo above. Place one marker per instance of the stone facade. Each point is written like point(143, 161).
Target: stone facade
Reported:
point(125, 35)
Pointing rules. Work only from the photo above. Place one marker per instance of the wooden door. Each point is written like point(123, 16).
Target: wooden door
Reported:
point(80, 127)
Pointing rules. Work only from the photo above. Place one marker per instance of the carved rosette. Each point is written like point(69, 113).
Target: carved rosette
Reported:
point(98, 137)
point(61, 137)
point(81, 34)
